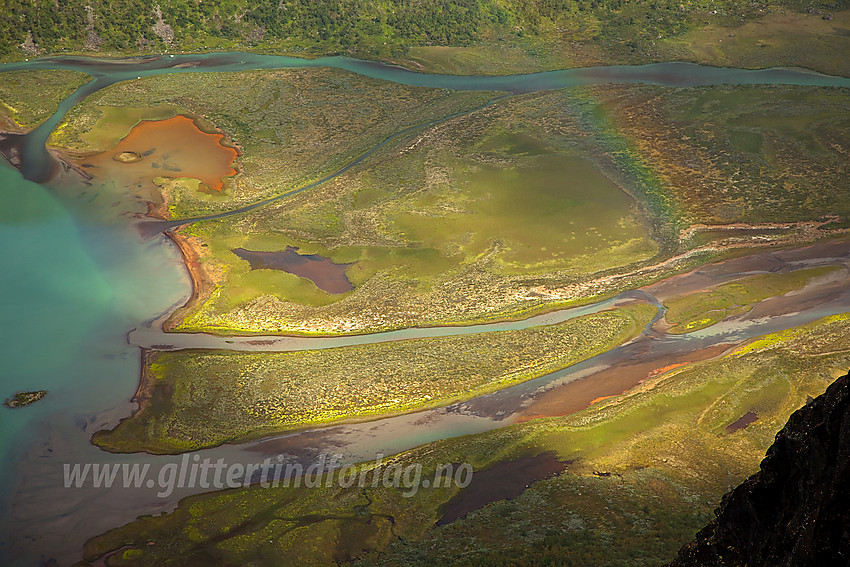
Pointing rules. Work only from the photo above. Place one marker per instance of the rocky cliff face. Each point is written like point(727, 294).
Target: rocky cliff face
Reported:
point(796, 510)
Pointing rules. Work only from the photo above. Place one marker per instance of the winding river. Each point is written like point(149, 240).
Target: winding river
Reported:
point(77, 279)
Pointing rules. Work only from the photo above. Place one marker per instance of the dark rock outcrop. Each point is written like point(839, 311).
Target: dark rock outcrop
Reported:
point(796, 510)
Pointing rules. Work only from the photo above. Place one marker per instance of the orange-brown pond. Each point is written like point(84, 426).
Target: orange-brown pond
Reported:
point(174, 147)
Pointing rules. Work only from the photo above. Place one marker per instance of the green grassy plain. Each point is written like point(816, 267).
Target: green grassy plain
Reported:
point(782, 38)
point(717, 34)
point(464, 221)
point(494, 213)
point(744, 153)
point(202, 398)
point(667, 438)
point(29, 97)
point(292, 126)
point(488, 215)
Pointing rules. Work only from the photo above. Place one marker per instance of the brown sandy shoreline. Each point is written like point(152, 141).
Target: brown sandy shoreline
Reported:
point(202, 282)
point(144, 391)
point(142, 397)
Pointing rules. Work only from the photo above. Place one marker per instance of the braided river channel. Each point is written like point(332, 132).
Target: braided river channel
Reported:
point(83, 288)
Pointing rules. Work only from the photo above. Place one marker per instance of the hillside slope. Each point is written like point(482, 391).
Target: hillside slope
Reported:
point(796, 509)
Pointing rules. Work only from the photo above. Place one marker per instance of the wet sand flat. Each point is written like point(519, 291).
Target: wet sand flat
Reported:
point(612, 381)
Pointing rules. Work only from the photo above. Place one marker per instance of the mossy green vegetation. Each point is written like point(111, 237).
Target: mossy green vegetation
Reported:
point(292, 126)
point(467, 220)
point(446, 35)
point(513, 207)
point(552, 213)
point(751, 154)
point(29, 97)
point(496, 213)
point(781, 38)
point(666, 439)
point(202, 398)
point(101, 130)
point(702, 309)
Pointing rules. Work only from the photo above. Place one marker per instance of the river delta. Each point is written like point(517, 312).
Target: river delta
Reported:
point(493, 270)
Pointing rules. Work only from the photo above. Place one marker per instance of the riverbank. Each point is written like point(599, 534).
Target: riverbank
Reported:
point(240, 396)
point(379, 253)
point(203, 282)
point(28, 97)
point(144, 392)
point(760, 237)
point(292, 403)
point(653, 461)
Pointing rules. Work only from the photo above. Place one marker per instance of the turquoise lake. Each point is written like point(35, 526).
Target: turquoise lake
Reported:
point(76, 278)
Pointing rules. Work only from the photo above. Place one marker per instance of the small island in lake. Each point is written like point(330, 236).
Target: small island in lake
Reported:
point(128, 157)
point(22, 399)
